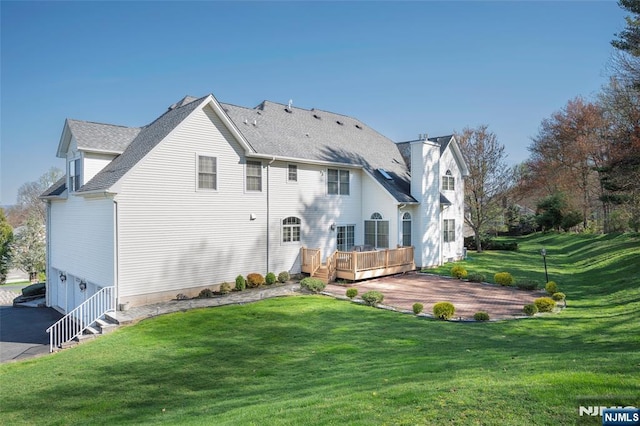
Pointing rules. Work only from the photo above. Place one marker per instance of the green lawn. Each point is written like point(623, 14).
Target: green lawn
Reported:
point(314, 360)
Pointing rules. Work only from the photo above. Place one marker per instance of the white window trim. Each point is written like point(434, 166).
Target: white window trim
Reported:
point(71, 188)
point(295, 182)
point(282, 226)
point(444, 239)
point(197, 180)
point(326, 185)
point(262, 182)
point(345, 225)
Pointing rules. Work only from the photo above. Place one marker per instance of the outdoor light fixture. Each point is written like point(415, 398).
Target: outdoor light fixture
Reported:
point(83, 285)
point(543, 252)
point(63, 277)
point(333, 226)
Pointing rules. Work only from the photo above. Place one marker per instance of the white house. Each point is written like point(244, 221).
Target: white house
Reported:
point(209, 190)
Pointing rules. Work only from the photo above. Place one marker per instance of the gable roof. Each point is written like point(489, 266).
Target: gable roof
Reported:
point(96, 137)
point(315, 135)
point(448, 141)
point(148, 137)
point(57, 189)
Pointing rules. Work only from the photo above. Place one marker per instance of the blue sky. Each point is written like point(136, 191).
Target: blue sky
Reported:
point(402, 68)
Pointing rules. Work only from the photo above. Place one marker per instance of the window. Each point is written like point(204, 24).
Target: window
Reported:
point(448, 182)
point(207, 172)
point(292, 175)
point(406, 230)
point(338, 181)
point(254, 176)
point(376, 231)
point(75, 168)
point(291, 230)
point(449, 230)
point(345, 237)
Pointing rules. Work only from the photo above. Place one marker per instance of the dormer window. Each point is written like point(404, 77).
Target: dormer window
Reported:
point(448, 182)
point(75, 172)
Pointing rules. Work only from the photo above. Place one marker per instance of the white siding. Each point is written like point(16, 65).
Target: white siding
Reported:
point(308, 199)
point(173, 236)
point(376, 199)
point(81, 243)
point(453, 250)
point(92, 163)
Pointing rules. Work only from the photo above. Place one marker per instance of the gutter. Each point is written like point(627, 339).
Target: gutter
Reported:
point(273, 158)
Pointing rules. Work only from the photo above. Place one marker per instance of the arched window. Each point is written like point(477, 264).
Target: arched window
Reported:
point(291, 230)
point(376, 231)
point(406, 229)
point(448, 182)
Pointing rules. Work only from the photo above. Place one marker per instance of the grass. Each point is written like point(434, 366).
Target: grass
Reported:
point(314, 360)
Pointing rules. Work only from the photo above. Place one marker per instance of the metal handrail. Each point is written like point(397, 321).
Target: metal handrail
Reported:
point(78, 320)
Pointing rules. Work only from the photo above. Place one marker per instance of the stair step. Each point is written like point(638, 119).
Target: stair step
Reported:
point(105, 326)
point(91, 330)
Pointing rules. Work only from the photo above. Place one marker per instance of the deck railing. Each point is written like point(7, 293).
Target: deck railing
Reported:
point(354, 265)
point(75, 322)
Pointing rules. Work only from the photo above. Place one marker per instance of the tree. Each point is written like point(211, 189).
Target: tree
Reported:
point(28, 247)
point(628, 45)
point(29, 193)
point(489, 178)
point(554, 213)
point(6, 238)
point(569, 149)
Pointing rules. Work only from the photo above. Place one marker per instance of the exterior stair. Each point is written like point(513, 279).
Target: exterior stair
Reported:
point(99, 327)
point(322, 274)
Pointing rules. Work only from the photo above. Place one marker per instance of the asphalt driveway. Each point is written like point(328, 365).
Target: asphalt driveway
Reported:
point(23, 330)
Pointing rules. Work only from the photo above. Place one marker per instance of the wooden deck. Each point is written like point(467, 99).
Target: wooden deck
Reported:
point(355, 266)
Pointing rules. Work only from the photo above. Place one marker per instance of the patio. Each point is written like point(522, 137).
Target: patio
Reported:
point(402, 291)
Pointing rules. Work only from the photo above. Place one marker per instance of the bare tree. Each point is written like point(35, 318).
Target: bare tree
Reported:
point(28, 248)
point(29, 194)
point(489, 178)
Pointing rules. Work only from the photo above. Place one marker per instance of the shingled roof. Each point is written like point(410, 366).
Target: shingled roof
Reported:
point(102, 137)
point(316, 135)
point(142, 144)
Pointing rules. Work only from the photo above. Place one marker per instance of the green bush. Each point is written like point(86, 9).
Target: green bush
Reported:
point(544, 304)
point(270, 278)
point(315, 285)
point(477, 277)
point(528, 284)
point(551, 287)
point(241, 283)
point(458, 271)
point(530, 309)
point(283, 277)
point(224, 288)
point(255, 280)
point(481, 316)
point(372, 298)
point(205, 293)
point(352, 292)
point(504, 278)
point(417, 308)
point(558, 296)
point(444, 310)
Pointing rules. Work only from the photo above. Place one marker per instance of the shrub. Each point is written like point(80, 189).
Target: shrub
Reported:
point(205, 293)
point(558, 296)
point(283, 276)
point(530, 309)
point(476, 277)
point(481, 316)
point(551, 287)
point(225, 288)
point(181, 296)
point(255, 280)
point(315, 285)
point(270, 278)
point(352, 292)
point(241, 283)
point(544, 304)
point(372, 298)
point(417, 308)
point(528, 284)
point(504, 278)
point(458, 271)
point(443, 310)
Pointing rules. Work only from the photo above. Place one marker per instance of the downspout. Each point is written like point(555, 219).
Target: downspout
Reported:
point(268, 211)
point(48, 260)
point(116, 250)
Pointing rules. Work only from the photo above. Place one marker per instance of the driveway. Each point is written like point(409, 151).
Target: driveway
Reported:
point(23, 330)
point(402, 291)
